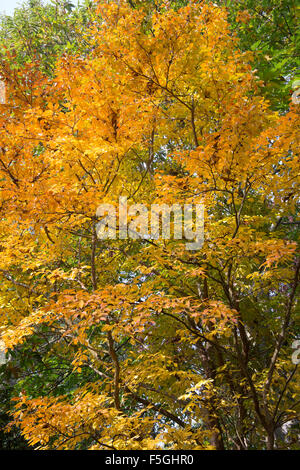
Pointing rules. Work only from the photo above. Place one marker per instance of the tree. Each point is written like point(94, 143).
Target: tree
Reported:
point(43, 32)
point(35, 34)
point(270, 29)
point(135, 343)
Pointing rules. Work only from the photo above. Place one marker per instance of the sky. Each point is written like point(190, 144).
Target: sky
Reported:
point(8, 6)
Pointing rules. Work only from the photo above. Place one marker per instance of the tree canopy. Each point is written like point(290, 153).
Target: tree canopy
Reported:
point(131, 343)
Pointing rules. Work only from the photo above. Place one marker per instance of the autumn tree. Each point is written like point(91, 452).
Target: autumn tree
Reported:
point(134, 344)
point(36, 34)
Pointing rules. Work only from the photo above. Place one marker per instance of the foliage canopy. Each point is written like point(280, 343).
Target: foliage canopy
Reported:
point(134, 344)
